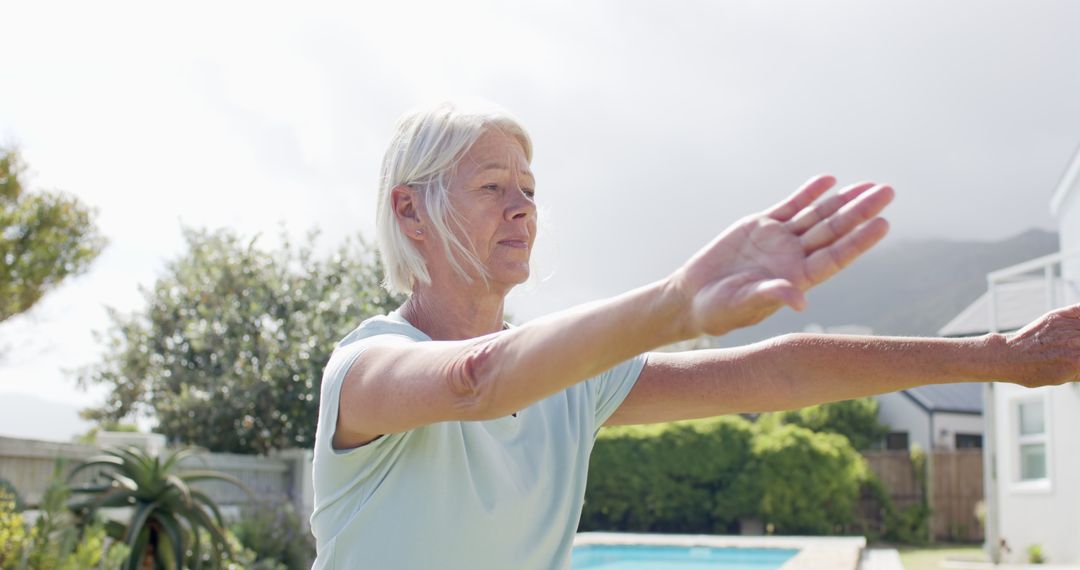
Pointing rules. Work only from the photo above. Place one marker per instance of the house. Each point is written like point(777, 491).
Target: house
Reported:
point(1032, 437)
point(942, 417)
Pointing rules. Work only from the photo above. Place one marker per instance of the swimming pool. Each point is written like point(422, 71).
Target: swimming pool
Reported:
point(650, 551)
point(648, 557)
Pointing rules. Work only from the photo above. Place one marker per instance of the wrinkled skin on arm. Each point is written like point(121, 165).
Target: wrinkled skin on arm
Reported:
point(1047, 351)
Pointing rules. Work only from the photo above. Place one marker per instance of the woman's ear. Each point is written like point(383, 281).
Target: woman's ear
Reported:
point(406, 211)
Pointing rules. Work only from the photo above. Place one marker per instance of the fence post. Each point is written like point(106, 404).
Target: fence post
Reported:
point(929, 488)
point(301, 485)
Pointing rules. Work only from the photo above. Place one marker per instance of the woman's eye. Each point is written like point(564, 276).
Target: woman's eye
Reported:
point(490, 186)
point(529, 192)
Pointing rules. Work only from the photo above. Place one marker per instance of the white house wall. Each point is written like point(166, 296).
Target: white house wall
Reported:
point(1048, 516)
point(901, 414)
point(946, 426)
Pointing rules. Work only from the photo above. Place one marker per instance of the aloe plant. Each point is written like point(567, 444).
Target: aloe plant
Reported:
point(167, 513)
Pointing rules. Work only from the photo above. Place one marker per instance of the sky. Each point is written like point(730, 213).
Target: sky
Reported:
point(655, 125)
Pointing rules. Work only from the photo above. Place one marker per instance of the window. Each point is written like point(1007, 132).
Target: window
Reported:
point(968, 441)
point(1031, 440)
point(897, 440)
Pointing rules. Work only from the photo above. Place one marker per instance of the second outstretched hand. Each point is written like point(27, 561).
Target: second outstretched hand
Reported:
point(770, 259)
point(1046, 352)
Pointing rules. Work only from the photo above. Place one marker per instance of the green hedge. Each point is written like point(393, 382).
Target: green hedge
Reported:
point(808, 481)
point(855, 419)
point(703, 476)
point(679, 477)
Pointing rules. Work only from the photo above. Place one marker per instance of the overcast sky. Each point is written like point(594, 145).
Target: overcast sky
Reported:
point(655, 125)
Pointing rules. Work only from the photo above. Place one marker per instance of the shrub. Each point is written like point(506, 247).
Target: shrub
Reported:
point(275, 533)
point(13, 532)
point(235, 557)
point(1035, 554)
point(57, 540)
point(854, 419)
point(703, 476)
point(910, 525)
point(808, 482)
point(8, 489)
point(677, 477)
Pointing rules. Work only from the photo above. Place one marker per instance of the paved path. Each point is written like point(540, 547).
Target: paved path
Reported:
point(880, 559)
point(961, 565)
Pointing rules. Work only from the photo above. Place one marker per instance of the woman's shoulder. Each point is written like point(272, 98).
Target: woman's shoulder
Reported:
point(388, 327)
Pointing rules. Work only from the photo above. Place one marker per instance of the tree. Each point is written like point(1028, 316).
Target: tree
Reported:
point(229, 350)
point(44, 238)
point(856, 419)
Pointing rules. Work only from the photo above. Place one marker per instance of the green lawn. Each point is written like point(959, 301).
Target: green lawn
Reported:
point(927, 558)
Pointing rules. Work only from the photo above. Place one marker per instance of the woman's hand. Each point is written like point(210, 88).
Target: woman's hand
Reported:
point(1047, 351)
point(770, 259)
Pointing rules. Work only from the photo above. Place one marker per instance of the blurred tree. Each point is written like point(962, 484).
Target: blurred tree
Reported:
point(44, 238)
point(229, 351)
point(855, 419)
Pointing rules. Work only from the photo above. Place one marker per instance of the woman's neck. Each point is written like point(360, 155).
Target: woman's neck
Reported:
point(453, 315)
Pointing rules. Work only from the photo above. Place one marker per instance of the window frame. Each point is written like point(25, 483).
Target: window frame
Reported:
point(968, 437)
point(1017, 440)
point(893, 434)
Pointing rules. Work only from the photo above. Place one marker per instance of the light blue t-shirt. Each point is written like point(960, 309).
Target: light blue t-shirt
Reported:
point(499, 494)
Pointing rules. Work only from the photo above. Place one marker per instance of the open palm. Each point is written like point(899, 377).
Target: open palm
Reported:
point(770, 259)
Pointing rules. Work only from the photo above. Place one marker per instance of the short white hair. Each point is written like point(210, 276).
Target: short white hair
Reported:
point(428, 144)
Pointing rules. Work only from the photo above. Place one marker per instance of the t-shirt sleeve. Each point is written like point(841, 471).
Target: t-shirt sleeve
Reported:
point(610, 388)
point(340, 362)
point(353, 471)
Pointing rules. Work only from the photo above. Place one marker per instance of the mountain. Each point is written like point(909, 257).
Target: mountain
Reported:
point(909, 288)
point(31, 417)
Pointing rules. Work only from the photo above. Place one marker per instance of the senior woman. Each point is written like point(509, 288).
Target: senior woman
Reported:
point(448, 439)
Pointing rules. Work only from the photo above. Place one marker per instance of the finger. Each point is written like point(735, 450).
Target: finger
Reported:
point(803, 197)
point(809, 217)
point(825, 262)
point(853, 214)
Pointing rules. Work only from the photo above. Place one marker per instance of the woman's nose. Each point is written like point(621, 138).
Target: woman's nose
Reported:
point(521, 206)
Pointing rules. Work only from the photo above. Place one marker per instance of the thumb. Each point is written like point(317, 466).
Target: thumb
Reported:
point(782, 291)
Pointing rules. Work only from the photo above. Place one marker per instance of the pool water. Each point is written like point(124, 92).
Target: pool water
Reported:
point(641, 557)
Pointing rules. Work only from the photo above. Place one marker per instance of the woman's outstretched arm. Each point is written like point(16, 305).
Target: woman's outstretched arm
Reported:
point(799, 370)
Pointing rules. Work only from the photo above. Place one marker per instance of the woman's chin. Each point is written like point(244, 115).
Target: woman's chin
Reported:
point(511, 277)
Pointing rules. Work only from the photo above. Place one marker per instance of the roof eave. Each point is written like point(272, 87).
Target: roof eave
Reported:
point(924, 406)
point(958, 412)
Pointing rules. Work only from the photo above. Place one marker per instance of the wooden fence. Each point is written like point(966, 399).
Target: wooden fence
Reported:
point(285, 476)
point(954, 480)
point(956, 488)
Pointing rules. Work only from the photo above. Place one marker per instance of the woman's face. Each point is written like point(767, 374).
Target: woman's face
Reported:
point(493, 191)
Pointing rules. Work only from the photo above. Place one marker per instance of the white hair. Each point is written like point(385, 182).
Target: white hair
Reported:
point(428, 144)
